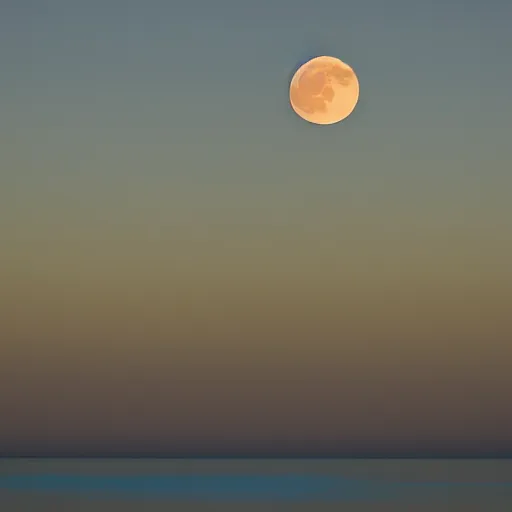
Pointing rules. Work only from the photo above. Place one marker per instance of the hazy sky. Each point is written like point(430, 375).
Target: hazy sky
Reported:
point(186, 263)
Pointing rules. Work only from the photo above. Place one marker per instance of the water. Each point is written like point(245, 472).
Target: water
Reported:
point(220, 484)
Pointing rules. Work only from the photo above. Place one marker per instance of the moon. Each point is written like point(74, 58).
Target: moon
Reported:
point(324, 90)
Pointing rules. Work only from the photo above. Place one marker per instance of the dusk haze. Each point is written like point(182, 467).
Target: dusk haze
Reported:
point(187, 267)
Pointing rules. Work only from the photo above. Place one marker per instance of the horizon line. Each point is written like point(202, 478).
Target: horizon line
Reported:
point(264, 456)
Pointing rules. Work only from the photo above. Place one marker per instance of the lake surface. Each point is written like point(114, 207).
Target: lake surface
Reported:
point(255, 484)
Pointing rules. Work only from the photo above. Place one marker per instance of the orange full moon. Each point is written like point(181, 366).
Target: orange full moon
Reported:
point(324, 90)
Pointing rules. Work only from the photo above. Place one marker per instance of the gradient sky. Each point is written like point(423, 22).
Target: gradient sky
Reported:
point(186, 263)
